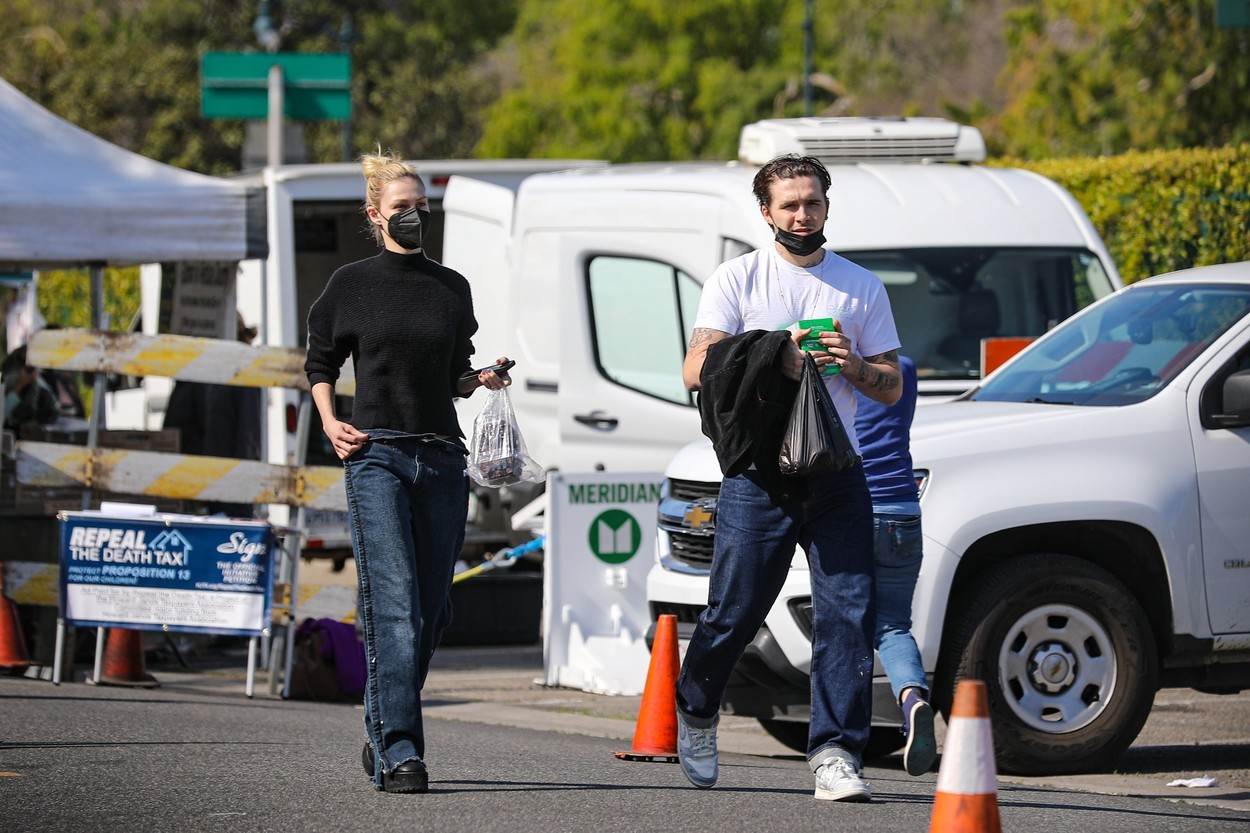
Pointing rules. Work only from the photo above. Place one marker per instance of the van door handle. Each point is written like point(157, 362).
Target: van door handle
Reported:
point(598, 420)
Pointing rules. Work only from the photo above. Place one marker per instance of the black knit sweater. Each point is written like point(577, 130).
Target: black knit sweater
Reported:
point(407, 322)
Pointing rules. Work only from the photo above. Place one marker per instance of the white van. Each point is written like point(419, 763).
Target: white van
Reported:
point(590, 278)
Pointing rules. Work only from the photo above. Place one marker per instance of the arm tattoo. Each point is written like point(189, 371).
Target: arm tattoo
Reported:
point(877, 379)
point(701, 336)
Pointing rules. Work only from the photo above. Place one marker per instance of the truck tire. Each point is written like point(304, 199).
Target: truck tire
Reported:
point(882, 740)
point(1068, 659)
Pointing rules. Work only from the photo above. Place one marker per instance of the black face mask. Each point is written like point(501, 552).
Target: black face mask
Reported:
point(799, 245)
point(405, 226)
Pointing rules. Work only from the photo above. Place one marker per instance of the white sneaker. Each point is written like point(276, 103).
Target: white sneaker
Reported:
point(838, 779)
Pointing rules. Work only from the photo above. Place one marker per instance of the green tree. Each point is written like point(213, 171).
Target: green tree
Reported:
point(1101, 76)
point(632, 80)
point(129, 72)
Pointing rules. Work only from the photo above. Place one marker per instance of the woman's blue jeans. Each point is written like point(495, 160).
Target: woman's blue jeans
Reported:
point(407, 499)
point(755, 539)
point(897, 550)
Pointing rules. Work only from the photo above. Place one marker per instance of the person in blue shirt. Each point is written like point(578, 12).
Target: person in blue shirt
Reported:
point(884, 433)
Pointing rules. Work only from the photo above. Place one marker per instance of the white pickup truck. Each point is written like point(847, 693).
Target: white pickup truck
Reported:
point(1086, 532)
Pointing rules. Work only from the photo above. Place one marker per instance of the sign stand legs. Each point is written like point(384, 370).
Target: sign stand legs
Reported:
point(99, 656)
point(58, 653)
point(251, 667)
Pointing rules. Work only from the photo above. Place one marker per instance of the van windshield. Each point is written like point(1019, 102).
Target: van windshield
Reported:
point(1122, 351)
point(945, 300)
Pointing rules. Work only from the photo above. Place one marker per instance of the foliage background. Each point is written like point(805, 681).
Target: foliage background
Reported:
point(1070, 80)
point(1159, 211)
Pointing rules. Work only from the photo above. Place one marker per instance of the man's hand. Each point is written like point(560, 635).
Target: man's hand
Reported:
point(792, 361)
point(344, 437)
point(877, 377)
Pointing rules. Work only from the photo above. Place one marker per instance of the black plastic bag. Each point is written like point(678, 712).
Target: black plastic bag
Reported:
point(815, 439)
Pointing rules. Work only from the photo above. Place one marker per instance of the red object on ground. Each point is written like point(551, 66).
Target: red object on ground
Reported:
point(123, 661)
point(655, 733)
point(12, 645)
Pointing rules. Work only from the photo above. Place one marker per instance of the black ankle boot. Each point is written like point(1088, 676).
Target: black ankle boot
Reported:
point(408, 777)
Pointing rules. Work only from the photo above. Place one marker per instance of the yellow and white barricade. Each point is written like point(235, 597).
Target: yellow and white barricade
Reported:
point(177, 357)
point(181, 476)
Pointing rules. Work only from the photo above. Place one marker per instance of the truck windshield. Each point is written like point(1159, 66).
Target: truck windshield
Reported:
point(946, 300)
point(1122, 351)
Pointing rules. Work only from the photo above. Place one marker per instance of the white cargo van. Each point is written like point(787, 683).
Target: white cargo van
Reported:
point(1086, 536)
point(590, 278)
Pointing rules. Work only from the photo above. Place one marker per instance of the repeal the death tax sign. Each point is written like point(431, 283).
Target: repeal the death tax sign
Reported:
point(166, 572)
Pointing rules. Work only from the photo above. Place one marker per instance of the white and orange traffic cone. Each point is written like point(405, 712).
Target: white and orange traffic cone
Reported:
point(967, 787)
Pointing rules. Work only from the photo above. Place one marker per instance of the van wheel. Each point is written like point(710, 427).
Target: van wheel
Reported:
point(1067, 657)
point(882, 740)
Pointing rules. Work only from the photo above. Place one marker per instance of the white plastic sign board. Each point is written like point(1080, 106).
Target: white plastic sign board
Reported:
point(601, 532)
point(204, 300)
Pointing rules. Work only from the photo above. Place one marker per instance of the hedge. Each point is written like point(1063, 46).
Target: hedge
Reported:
point(1162, 210)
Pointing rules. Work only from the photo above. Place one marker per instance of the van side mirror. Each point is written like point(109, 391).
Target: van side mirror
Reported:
point(1235, 410)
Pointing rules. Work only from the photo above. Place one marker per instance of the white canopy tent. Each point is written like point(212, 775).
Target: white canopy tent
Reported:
point(68, 197)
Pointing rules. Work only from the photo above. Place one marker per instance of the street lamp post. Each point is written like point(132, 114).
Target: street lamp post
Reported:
point(807, 58)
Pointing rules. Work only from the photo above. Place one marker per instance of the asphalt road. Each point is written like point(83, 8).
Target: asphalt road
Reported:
point(195, 755)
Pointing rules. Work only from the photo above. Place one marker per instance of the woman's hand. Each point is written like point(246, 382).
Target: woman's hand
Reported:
point(494, 380)
point(344, 437)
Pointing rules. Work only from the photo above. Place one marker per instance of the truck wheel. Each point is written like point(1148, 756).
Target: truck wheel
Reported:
point(882, 740)
point(1068, 659)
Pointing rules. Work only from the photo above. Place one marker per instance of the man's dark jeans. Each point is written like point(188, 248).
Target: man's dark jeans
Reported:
point(408, 500)
point(755, 540)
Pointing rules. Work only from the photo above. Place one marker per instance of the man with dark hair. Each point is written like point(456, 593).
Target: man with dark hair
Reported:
point(762, 515)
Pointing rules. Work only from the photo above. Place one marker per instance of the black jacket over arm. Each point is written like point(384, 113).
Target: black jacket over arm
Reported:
point(745, 400)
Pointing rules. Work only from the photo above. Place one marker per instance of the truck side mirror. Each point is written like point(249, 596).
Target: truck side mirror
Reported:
point(1235, 409)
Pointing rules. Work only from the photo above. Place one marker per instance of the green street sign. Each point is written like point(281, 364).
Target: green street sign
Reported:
point(615, 536)
point(235, 85)
point(1231, 14)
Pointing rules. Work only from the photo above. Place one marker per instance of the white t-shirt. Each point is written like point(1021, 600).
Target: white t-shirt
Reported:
point(762, 291)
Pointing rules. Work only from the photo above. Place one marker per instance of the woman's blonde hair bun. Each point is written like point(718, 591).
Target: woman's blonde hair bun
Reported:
point(380, 169)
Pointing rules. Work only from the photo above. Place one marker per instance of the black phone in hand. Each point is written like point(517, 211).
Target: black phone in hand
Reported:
point(498, 368)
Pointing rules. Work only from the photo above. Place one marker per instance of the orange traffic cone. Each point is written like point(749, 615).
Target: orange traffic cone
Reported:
point(655, 733)
point(12, 646)
point(123, 661)
point(967, 787)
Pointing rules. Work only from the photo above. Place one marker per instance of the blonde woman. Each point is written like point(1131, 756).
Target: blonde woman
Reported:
point(407, 322)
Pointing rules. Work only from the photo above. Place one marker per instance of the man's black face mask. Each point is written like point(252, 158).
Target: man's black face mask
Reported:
point(800, 245)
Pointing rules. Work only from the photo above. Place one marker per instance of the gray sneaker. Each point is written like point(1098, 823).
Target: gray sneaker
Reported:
point(838, 779)
point(696, 749)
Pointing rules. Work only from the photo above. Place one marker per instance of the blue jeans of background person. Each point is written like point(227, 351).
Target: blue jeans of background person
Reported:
point(755, 541)
point(407, 500)
point(897, 551)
